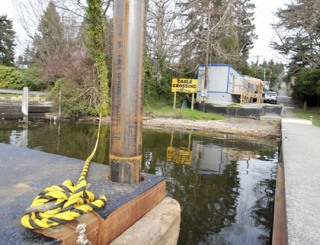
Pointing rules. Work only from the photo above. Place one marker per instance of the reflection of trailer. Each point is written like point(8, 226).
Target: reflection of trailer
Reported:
point(208, 159)
point(226, 85)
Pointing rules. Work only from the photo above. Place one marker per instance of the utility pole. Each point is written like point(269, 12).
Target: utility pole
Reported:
point(208, 46)
point(257, 63)
point(206, 76)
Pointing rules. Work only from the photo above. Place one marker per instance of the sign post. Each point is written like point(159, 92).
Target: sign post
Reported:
point(192, 102)
point(184, 85)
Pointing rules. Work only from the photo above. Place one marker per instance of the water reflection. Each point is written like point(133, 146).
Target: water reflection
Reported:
point(226, 191)
point(225, 186)
point(19, 137)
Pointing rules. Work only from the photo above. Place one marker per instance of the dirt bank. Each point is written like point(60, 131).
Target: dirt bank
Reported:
point(239, 127)
point(233, 126)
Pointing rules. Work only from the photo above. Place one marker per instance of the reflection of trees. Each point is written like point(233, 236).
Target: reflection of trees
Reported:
point(5, 133)
point(263, 209)
point(208, 202)
point(73, 140)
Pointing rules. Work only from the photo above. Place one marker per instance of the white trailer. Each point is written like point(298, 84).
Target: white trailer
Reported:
point(226, 85)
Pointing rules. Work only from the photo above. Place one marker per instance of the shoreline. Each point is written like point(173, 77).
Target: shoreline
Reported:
point(236, 127)
point(232, 126)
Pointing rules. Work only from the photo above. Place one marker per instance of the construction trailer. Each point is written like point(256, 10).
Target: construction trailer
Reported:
point(225, 85)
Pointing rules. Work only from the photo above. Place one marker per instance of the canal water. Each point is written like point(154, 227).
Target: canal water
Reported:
point(225, 186)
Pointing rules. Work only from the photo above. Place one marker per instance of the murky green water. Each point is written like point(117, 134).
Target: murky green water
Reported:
point(225, 186)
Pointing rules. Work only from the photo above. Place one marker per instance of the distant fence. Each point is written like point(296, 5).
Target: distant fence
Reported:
point(10, 111)
point(13, 91)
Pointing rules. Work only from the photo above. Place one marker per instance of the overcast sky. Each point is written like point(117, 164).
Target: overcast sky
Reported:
point(264, 17)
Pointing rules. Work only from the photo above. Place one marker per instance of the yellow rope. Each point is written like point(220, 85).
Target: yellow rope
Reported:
point(59, 204)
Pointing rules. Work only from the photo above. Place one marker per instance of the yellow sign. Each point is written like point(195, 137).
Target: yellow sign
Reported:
point(184, 85)
point(178, 155)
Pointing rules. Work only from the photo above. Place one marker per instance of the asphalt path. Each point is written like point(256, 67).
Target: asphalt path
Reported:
point(287, 102)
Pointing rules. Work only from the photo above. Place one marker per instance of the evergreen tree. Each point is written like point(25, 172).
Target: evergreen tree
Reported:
point(243, 12)
point(49, 45)
point(272, 72)
point(6, 41)
point(298, 30)
point(221, 29)
point(50, 37)
point(202, 22)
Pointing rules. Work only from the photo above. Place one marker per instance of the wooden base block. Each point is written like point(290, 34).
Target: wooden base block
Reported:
point(125, 216)
point(104, 231)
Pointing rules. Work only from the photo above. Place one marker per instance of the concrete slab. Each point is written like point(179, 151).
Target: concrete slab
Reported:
point(159, 226)
point(301, 158)
point(297, 120)
point(25, 173)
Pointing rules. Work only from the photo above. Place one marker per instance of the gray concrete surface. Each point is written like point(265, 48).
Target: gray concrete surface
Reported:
point(301, 158)
point(24, 173)
point(301, 162)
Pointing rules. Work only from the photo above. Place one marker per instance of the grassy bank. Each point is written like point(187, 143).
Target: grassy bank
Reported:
point(310, 112)
point(181, 113)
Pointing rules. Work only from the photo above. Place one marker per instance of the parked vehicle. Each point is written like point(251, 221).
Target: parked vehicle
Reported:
point(270, 97)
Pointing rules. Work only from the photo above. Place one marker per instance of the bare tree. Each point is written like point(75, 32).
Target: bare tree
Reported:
point(206, 26)
point(162, 39)
point(29, 14)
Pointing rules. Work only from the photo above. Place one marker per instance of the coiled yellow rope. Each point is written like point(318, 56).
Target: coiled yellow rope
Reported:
point(59, 204)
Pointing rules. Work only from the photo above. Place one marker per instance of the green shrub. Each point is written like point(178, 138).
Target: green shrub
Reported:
point(12, 78)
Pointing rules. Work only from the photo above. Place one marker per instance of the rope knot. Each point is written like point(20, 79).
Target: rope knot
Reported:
point(59, 204)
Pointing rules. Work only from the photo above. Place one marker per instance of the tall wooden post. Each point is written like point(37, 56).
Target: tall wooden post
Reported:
point(127, 91)
point(25, 104)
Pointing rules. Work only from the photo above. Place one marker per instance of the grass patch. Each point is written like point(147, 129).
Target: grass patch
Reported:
point(305, 114)
point(10, 95)
point(181, 113)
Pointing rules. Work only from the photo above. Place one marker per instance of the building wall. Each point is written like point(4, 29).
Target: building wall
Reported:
point(223, 81)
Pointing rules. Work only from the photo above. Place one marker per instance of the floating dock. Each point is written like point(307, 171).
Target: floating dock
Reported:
point(25, 173)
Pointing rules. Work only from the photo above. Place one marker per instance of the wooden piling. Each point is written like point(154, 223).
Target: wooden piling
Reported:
point(25, 104)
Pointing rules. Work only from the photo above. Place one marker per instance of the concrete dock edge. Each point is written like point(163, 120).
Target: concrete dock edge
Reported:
point(279, 219)
point(301, 158)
